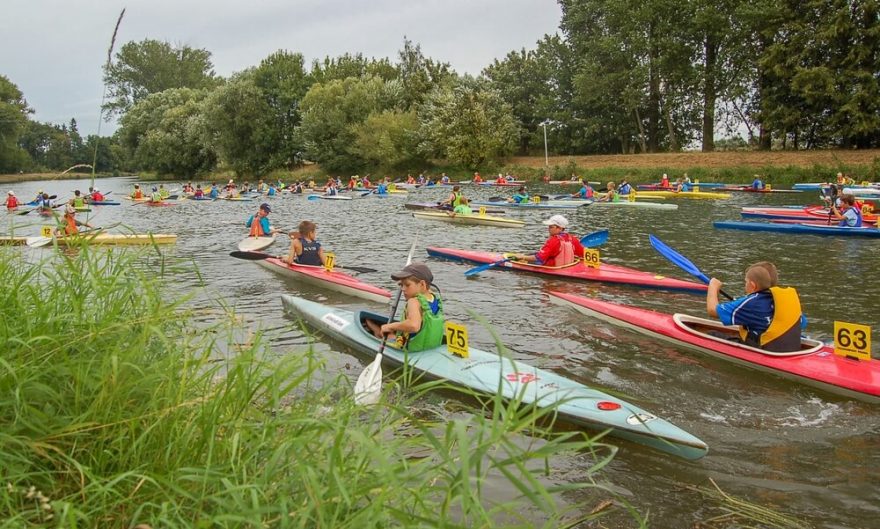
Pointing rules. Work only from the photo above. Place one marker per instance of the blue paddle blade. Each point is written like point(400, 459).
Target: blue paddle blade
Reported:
point(314, 197)
point(597, 238)
point(483, 268)
point(678, 259)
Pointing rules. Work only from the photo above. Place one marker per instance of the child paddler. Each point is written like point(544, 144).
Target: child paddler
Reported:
point(454, 199)
point(258, 223)
point(69, 224)
point(769, 316)
point(422, 326)
point(462, 208)
point(561, 247)
point(137, 194)
point(305, 248)
point(78, 200)
point(848, 213)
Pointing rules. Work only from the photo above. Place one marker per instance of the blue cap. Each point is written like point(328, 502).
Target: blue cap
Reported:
point(265, 206)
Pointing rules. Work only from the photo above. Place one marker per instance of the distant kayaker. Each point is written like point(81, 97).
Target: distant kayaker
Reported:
point(95, 195)
point(215, 191)
point(610, 194)
point(69, 224)
point(624, 189)
point(757, 183)
point(520, 197)
point(454, 199)
point(258, 223)
point(305, 248)
point(500, 179)
point(163, 192)
point(560, 249)
point(11, 200)
point(664, 181)
point(843, 180)
point(444, 179)
point(137, 194)
point(477, 178)
point(851, 215)
point(462, 208)
point(198, 192)
point(330, 188)
point(585, 192)
point(156, 196)
point(271, 192)
point(769, 316)
point(423, 322)
point(78, 200)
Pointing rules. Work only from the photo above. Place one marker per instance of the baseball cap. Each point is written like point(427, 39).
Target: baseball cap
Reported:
point(557, 220)
point(11, 193)
point(155, 188)
point(265, 206)
point(416, 270)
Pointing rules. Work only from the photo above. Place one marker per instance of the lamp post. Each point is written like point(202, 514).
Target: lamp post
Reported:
point(546, 158)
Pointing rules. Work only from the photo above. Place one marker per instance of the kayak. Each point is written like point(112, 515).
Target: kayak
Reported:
point(142, 199)
point(201, 198)
point(509, 183)
point(104, 238)
point(815, 364)
point(475, 219)
point(845, 231)
point(750, 189)
point(489, 374)
point(238, 199)
point(158, 204)
point(329, 197)
point(658, 187)
point(606, 273)
point(861, 191)
point(436, 206)
point(805, 213)
point(556, 204)
point(335, 280)
point(255, 244)
point(684, 194)
point(572, 182)
point(634, 204)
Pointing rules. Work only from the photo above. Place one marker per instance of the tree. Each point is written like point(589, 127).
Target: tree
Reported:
point(348, 65)
point(523, 82)
point(468, 124)
point(13, 120)
point(388, 140)
point(418, 74)
point(151, 66)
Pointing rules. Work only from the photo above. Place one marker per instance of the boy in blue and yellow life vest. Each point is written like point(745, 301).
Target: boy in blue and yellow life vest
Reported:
point(422, 326)
point(769, 316)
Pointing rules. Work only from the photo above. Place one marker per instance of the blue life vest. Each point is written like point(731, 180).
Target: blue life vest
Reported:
point(858, 223)
point(309, 255)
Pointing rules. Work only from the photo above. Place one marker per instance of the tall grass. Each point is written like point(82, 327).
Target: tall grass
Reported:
point(117, 410)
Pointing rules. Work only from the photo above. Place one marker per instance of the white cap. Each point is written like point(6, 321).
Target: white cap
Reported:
point(664, 175)
point(230, 180)
point(557, 220)
point(11, 193)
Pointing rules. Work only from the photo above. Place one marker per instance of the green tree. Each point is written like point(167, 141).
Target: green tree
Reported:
point(388, 140)
point(13, 120)
point(330, 112)
point(165, 132)
point(348, 65)
point(152, 66)
point(468, 124)
point(419, 74)
point(523, 82)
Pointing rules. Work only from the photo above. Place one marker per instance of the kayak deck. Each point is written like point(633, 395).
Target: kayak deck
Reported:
point(475, 220)
point(606, 273)
point(489, 373)
point(815, 365)
point(321, 277)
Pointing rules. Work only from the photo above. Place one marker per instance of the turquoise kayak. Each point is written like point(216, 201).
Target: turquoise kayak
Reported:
point(489, 373)
point(809, 229)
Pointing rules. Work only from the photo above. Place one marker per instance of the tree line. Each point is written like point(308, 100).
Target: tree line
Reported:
point(619, 77)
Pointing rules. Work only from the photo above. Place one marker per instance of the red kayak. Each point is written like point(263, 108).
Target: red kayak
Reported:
point(805, 213)
point(335, 280)
point(750, 189)
point(815, 364)
point(606, 273)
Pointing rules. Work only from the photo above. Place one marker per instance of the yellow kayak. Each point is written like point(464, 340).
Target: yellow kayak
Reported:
point(683, 194)
point(479, 220)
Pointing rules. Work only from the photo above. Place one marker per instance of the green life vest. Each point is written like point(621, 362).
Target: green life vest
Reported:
point(457, 201)
point(432, 331)
point(79, 202)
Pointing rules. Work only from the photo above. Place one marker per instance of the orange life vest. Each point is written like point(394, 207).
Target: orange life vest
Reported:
point(257, 227)
point(70, 225)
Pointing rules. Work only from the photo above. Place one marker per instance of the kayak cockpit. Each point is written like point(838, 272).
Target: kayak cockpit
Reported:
point(729, 334)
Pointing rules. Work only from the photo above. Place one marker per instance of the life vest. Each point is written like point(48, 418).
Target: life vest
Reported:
point(858, 218)
point(70, 225)
point(478, 179)
point(137, 194)
point(97, 197)
point(456, 199)
point(257, 227)
point(566, 251)
point(784, 333)
point(309, 255)
point(79, 202)
point(431, 333)
point(11, 202)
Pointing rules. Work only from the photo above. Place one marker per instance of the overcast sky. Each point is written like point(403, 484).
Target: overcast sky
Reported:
point(53, 50)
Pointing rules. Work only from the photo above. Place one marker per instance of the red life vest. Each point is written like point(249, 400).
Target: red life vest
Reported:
point(70, 225)
point(11, 202)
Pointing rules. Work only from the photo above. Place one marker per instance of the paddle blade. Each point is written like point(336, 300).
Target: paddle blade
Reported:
point(361, 269)
point(368, 387)
point(250, 256)
point(314, 197)
point(483, 268)
point(678, 259)
point(597, 238)
point(37, 242)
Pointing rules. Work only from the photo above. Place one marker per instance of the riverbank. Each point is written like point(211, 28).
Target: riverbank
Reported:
point(31, 177)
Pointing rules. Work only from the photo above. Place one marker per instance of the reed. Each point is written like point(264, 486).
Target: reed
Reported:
point(120, 407)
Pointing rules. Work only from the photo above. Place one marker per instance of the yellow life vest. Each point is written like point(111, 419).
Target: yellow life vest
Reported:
point(784, 333)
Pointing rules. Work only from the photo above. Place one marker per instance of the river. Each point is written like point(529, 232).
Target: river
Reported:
point(772, 441)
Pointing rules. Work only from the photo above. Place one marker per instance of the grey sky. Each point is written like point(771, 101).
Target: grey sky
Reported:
point(53, 50)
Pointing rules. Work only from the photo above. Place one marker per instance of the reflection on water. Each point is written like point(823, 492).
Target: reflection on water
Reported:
point(771, 441)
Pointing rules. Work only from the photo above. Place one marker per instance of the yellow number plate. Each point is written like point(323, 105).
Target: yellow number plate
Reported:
point(591, 258)
point(482, 211)
point(329, 261)
point(456, 339)
point(536, 199)
point(852, 339)
point(46, 231)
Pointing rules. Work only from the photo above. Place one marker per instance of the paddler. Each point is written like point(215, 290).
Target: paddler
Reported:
point(624, 189)
point(454, 199)
point(477, 178)
point(585, 192)
point(163, 192)
point(137, 194)
point(520, 197)
point(664, 181)
point(757, 183)
point(198, 193)
point(305, 248)
point(215, 191)
point(155, 196)
point(423, 324)
point(610, 194)
point(69, 224)
point(843, 180)
point(560, 249)
point(444, 179)
point(462, 208)
point(330, 189)
point(78, 200)
point(851, 216)
point(95, 195)
point(11, 200)
point(271, 192)
point(769, 316)
point(500, 179)
point(258, 223)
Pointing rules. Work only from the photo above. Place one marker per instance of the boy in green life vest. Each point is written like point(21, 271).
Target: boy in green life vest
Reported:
point(422, 326)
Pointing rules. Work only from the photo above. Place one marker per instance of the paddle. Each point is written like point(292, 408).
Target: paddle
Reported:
point(597, 238)
point(51, 197)
point(369, 384)
point(681, 262)
point(260, 256)
point(39, 242)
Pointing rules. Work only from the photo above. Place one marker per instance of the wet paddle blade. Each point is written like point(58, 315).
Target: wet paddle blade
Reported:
point(678, 259)
point(483, 268)
point(250, 256)
point(597, 238)
point(313, 197)
point(368, 387)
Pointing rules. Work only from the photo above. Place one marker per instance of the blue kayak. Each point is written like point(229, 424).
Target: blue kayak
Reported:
point(532, 205)
point(489, 373)
point(809, 229)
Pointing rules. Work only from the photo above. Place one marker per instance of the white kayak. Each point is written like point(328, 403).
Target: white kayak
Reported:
point(476, 219)
point(329, 197)
point(255, 244)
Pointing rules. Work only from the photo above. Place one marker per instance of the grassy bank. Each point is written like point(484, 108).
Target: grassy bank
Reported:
point(29, 177)
point(116, 410)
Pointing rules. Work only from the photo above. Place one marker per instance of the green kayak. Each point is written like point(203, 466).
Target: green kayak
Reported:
point(488, 372)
